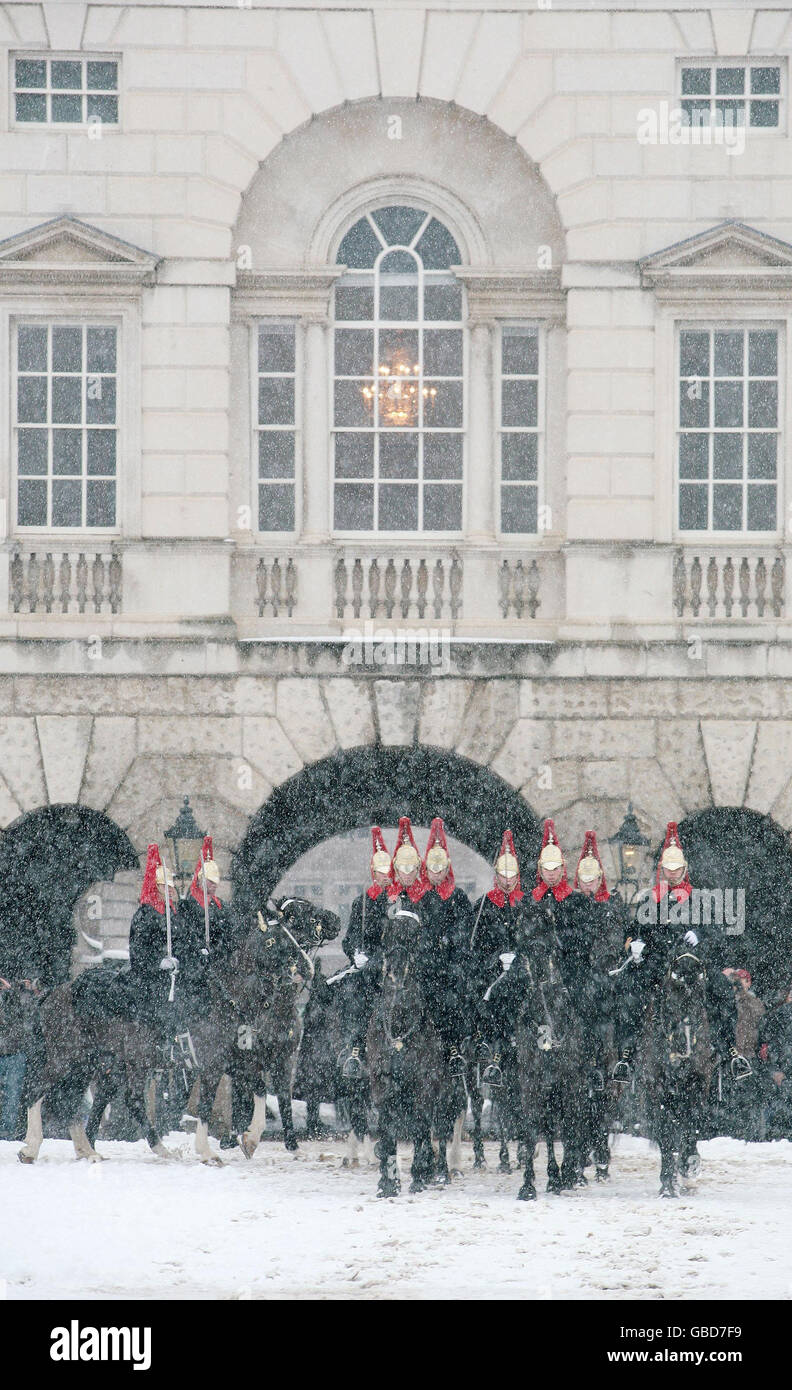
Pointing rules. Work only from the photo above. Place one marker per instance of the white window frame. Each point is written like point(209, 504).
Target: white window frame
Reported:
point(277, 320)
point(716, 323)
point(103, 309)
point(747, 62)
point(540, 328)
point(41, 55)
point(418, 537)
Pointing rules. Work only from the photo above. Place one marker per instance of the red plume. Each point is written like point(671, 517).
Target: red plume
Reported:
point(680, 890)
point(437, 836)
point(562, 890)
point(378, 842)
point(496, 895)
point(421, 885)
point(196, 887)
point(150, 894)
point(590, 847)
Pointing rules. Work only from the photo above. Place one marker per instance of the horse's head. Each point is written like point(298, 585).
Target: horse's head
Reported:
point(280, 957)
point(686, 978)
point(400, 936)
point(309, 924)
point(537, 950)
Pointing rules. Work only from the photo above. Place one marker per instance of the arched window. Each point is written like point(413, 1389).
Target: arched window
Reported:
point(398, 406)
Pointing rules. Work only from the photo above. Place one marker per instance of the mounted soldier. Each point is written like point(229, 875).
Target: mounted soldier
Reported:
point(214, 929)
point(447, 924)
point(362, 946)
point(492, 950)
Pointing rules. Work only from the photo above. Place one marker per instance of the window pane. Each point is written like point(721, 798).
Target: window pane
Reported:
point(728, 403)
point(275, 349)
point(354, 455)
point(765, 79)
point(442, 302)
point(519, 403)
point(354, 302)
point(32, 451)
point(66, 400)
point(31, 108)
point(276, 507)
point(695, 81)
point(442, 508)
point(399, 302)
point(100, 404)
point(692, 507)
point(350, 404)
point(31, 72)
point(729, 80)
point(31, 348)
point(762, 353)
point(66, 75)
point(693, 455)
point(66, 348)
point(32, 502)
point(66, 502)
point(101, 354)
point(354, 507)
point(443, 456)
point(399, 224)
point(727, 507)
point(761, 455)
point(102, 77)
point(360, 247)
point(520, 354)
point(100, 504)
point(399, 263)
point(519, 455)
point(398, 348)
point(32, 399)
point(437, 247)
point(66, 110)
point(727, 456)
point(67, 451)
point(762, 511)
point(730, 113)
point(443, 406)
point(728, 354)
point(694, 354)
point(102, 109)
point(276, 454)
point(398, 456)
point(762, 404)
point(354, 352)
point(101, 450)
point(696, 113)
point(764, 114)
point(276, 401)
point(398, 507)
point(443, 352)
point(518, 509)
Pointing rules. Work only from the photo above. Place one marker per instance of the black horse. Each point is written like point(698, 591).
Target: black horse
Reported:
point(676, 1066)
point(319, 1075)
point(410, 1085)
point(550, 1061)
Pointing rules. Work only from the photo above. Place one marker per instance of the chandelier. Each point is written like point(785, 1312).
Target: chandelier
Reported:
point(397, 392)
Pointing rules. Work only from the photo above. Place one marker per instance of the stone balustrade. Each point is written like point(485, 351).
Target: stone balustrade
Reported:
point(79, 580)
point(386, 585)
point(737, 585)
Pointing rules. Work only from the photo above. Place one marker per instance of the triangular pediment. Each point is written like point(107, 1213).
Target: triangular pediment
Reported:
point(66, 245)
point(731, 249)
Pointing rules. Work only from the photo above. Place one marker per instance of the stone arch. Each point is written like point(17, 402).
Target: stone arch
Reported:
point(734, 847)
point(48, 859)
point(362, 786)
point(477, 179)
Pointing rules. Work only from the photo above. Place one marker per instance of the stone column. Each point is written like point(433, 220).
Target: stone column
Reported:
point(481, 470)
point(316, 451)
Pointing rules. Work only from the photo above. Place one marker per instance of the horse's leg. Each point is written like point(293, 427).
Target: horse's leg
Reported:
point(312, 1126)
point(249, 1141)
point(476, 1107)
point(207, 1089)
point(504, 1166)
point(283, 1093)
point(422, 1169)
point(527, 1192)
point(665, 1139)
point(455, 1160)
point(35, 1133)
point(553, 1171)
point(389, 1183)
point(83, 1147)
point(106, 1087)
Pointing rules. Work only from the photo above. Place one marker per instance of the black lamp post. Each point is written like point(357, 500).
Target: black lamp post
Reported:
point(629, 842)
point(185, 842)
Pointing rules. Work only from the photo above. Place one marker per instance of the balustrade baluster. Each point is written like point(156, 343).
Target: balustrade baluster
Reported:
point(696, 577)
point(98, 578)
point(518, 588)
point(390, 588)
point(405, 584)
point(33, 582)
point(712, 586)
point(777, 585)
point(533, 588)
point(291, 586)
point(679, 582)
point(340, 582)
point(115, 582)
point(374, 588)
point(422, 587)
point(49, 581)
point(276, 579)
point(761, 585)
point(357, 587)
point(64, 581)
point(504, 588)
point(438, 580)
point(82, 582)
point(728, 586)
point(17, 581)
point(455, 585)
point(261, 586)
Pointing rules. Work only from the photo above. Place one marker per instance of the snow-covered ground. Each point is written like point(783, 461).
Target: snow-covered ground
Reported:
point(302, 1226)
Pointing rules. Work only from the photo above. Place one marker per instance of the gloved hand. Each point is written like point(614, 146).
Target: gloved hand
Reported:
point(169, 963)
point(507, 959)
point(360, 959)
point(691, 939)
point(637, 949)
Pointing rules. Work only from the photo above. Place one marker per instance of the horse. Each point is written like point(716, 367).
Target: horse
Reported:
point(98, 1042)
point(550, 1057)
point(410, 1085)
point(676, 1066)
point(319, 1075)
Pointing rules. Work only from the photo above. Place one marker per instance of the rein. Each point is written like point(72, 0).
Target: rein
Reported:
point(397, 1044)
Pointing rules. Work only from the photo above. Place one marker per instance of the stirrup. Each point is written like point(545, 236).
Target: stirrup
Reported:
point(622, 1071)
point(456, 1062)
point(741, 1068)
point(352, 1068)
point(492, 1075)
point(484, 1052)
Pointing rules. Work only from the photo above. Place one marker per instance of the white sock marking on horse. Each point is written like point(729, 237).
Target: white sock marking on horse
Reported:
point(82, 1144)
point(35, 1133)
point(258, 1124)
point(455, 1156)
point(352, 1149)
point(368, 1150)
point(202, 1143)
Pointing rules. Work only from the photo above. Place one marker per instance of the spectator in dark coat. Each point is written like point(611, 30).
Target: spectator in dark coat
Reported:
point(18, 1004)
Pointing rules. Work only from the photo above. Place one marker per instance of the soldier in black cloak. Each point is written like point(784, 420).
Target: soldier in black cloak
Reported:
point(226, 933)
point(495, 918)
point(444, 953)
point(362, 945)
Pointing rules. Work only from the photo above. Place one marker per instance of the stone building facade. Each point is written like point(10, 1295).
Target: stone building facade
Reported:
point(209, 537)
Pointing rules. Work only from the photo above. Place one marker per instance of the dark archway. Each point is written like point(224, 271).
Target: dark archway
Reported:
point(48, 859)
point(731, 847)
point(370, 786)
